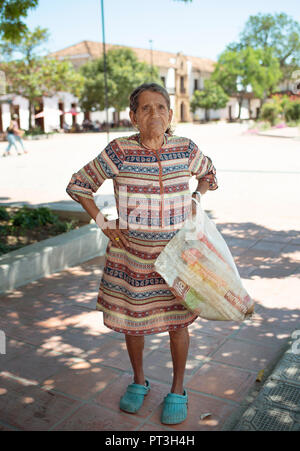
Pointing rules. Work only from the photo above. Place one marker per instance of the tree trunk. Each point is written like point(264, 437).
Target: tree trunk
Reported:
point(249, 109)
point(263, 101)
point(240, 106)
point(30, 113)
point(207, 114)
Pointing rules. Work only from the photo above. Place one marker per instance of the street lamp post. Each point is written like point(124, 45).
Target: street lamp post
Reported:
point(151, 49)
point(105, 69)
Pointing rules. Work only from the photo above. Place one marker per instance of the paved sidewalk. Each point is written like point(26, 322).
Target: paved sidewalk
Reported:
point(286, 132)
point(64, 370)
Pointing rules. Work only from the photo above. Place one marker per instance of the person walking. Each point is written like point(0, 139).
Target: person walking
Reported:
point(10, 136)
point(18, 133)
point(151, 172)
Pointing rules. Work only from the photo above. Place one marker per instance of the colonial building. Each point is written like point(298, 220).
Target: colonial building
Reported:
point(181, 75)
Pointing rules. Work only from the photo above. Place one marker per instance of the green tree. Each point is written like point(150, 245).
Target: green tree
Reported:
point(247, 69)
point(233, 75)
point(212, 97)
point(12, 27)
point(27, 47)
point(292, 111)
point(124, 73)
point(33, 76)
point(279, 32)
point(270, 112)
point(266, 73)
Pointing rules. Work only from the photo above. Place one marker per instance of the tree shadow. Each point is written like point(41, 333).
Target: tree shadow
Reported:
point(65, 370)
point(260, 251)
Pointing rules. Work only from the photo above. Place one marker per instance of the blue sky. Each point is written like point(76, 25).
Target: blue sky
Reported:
point(202, 28)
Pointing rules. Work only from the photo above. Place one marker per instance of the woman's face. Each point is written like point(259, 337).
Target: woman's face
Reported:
point(152, 116)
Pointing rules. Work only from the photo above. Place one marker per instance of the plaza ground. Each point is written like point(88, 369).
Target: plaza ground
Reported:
point(257, 175)
point(64, 370)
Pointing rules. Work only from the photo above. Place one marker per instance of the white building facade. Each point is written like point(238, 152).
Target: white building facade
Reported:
point(181, 75)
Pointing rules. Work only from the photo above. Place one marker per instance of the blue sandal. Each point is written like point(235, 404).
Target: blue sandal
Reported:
point(175, 408)
point(133, 399)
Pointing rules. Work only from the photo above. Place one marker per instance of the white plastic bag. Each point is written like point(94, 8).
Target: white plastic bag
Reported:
point(200, 270)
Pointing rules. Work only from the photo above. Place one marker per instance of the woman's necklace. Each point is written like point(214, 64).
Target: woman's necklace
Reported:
point(151, 148)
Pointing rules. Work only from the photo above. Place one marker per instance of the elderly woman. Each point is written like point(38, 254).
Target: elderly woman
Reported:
point(151, 172)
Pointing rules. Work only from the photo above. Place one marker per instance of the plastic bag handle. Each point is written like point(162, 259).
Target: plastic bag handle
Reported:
point(197, 222)
point(196, 200)
point(198, 208)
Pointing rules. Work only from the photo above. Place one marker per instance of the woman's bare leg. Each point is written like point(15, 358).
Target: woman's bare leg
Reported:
point(135, 347)
point(179, 344)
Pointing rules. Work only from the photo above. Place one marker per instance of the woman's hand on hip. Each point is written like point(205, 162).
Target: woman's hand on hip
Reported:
point(112, 230)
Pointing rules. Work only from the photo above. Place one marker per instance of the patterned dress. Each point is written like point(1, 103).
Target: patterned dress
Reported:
point(153, 200)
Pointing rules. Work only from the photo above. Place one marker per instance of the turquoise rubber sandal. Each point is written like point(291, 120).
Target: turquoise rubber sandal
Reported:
point(175, 408)
point(133, 399)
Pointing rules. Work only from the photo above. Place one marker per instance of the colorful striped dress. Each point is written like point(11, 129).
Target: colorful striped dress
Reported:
point(153, 200)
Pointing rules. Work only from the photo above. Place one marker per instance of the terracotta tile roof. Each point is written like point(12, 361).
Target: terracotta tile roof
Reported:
point(84, 50)
point(202, 64)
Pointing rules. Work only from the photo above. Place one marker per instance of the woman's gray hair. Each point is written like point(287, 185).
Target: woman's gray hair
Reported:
point(154, 87)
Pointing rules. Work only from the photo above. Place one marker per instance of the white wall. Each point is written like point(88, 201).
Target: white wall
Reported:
point(101, 115)
point(125, 114)
point(170, 79)
point(255, 103)
point(52, 118)
point(190, 87)
point(5, 115)
point(223, 113)
point(23, 110)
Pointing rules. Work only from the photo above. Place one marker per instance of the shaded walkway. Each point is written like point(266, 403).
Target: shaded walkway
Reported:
point(64, 370)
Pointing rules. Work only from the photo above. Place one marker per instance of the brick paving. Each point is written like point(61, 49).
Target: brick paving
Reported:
point(64, 370)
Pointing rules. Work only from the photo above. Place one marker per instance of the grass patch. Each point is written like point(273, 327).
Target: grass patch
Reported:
point(20, 227)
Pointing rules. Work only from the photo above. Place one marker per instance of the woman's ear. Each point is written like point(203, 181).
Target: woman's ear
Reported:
point(132, 118)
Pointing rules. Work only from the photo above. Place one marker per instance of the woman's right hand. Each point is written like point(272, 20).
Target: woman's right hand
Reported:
point(114, 233)
point(110, 228)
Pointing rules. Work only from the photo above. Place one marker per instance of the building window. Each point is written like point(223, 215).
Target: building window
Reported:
point(74, 114)
point(163, 79)
point(196, 87)
point(182, 112)
point(61, 108)
point(182, 88)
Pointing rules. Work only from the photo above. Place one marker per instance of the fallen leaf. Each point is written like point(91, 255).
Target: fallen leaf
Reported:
point(260, 376)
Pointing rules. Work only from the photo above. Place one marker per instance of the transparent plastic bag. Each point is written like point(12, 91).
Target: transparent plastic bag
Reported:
point(198, 267)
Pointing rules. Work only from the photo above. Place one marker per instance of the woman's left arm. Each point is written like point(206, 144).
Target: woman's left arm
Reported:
point(202, 186)
point(202, 167)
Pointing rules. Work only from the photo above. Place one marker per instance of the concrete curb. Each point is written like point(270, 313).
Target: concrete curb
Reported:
point(277, 136)
point(277, 405)
point(52, 255)
point(287, 132)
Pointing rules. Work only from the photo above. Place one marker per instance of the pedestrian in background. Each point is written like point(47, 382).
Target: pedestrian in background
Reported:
point(10, 136)
point(18, 133)
point(13, 135)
